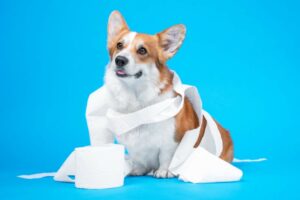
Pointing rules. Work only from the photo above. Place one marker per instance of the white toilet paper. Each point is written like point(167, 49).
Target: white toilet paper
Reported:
point(204, 167)
point(94, 167)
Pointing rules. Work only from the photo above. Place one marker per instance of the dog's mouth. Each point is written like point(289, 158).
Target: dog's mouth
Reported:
point(122, 74)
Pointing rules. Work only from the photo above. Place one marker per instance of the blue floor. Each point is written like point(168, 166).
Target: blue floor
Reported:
point(265, 180)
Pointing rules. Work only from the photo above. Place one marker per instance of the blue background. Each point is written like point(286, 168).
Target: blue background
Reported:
point(244, 57)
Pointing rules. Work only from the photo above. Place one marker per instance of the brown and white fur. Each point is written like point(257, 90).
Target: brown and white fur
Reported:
point(136, 77)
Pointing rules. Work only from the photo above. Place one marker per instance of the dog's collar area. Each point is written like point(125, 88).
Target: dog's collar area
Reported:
point(123, 74)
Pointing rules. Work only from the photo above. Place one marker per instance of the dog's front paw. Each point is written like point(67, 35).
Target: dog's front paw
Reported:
point(163, 173)
point(137, 172)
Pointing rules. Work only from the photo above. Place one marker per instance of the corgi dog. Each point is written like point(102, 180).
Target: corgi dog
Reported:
point(136, 77)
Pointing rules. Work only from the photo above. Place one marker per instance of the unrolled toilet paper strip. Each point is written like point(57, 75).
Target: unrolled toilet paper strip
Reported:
point(236, 160)
point(120, 123)
point(212, 142)
point(67, 169)
point(213, 130)
point(184, 149)
point(204, 167)
point(37, 176)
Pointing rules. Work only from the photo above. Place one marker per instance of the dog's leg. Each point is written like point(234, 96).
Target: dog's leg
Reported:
point(165, 158)
point(134, 169)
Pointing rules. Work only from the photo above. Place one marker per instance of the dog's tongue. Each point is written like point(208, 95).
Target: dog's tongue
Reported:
point(121, 72)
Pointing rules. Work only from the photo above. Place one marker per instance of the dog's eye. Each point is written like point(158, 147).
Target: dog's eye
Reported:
point(142, 51)
point(119, 45)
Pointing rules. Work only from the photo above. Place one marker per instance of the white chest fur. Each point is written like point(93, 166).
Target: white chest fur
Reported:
point(150, 147)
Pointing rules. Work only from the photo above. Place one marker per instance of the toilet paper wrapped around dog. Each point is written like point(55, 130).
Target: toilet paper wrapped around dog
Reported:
point(197, 165)
point(101, 166)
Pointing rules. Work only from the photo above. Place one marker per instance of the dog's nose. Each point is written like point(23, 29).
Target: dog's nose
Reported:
point(121, 61)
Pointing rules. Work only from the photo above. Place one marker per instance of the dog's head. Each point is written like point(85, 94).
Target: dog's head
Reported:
point(136, 57)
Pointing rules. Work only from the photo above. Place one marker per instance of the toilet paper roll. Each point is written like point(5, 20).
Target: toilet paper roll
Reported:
point(100, 167)
point(94, 167)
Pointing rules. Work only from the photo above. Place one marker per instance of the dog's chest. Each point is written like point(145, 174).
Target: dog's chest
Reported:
point(144, 143)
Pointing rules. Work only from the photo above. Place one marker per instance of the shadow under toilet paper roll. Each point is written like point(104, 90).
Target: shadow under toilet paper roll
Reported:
point(94, 167)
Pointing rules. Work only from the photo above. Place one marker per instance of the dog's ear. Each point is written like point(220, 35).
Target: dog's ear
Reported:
point(171, 39)
point(116, 25)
